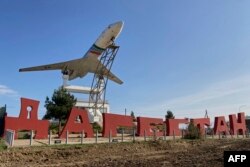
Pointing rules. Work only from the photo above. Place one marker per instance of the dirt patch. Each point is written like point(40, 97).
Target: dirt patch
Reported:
point(170, 153)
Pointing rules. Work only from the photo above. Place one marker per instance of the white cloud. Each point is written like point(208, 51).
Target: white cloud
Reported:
point(4, 90)
point(221, 98)
point(216, 91)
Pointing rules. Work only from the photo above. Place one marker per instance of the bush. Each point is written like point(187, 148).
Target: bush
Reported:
point(3, 146)
point(54, 128)
point(125, 129)
point(193, 132)
point(23, 134)
point(96, 127)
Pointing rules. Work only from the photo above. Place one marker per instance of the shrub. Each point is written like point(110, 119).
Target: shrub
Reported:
point(193, 132)
point(2, 145)
point(96, 127)
point(54, 128)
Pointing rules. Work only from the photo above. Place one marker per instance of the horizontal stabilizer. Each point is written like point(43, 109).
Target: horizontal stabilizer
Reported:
point(102, 70)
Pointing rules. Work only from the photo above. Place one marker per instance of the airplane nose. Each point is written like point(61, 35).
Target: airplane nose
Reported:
point(115, 29)
point(118, 24)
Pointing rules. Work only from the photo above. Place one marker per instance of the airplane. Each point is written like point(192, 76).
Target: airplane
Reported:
point(89, 62)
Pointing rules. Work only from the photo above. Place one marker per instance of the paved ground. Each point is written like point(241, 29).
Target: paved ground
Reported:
point(160, 153)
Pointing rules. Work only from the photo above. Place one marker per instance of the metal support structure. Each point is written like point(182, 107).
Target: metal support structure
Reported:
point(206, 114)
point(100, 79)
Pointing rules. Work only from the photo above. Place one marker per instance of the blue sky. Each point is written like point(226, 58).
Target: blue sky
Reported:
point(186, 56)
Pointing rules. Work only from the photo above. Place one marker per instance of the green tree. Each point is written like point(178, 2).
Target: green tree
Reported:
point(132, 114)
point(193, 132)
point(170, 115)
point(3, 113)
point(96, 127)
point(59, 106)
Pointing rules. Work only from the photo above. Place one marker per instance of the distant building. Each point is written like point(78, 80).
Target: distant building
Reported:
point(87, 104)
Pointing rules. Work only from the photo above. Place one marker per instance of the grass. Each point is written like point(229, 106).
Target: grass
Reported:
point(2, 145)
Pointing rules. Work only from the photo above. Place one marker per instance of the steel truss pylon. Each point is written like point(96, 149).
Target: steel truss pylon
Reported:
point(99, 83)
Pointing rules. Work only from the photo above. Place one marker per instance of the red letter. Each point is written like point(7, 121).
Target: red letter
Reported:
point(239, 124)
point(28, 120)
point(173, 126)
point(73, 126)
point(200, 123)
point(144, 123)
point(112, 121)
point(220, 125)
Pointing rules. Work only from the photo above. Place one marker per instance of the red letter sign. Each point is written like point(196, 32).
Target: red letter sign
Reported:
point(239, 124)
point(112, 121)
point(220, 125)
point(78, 121)
point(28, 120)
point(144, 123)
point(200, 123)
point(173, 126)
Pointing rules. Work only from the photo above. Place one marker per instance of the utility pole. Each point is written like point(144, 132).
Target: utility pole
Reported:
point(206, 114)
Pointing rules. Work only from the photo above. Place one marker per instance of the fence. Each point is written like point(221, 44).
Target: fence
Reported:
point(9, 137)
point(79, 138)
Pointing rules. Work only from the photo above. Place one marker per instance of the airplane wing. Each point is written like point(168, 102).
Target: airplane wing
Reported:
point(55, 66)
point(71, 67)
point(104, 71)
point(75, 68)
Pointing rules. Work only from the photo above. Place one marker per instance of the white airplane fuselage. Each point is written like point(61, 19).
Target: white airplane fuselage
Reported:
point(89, 62)
point(106, 38)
